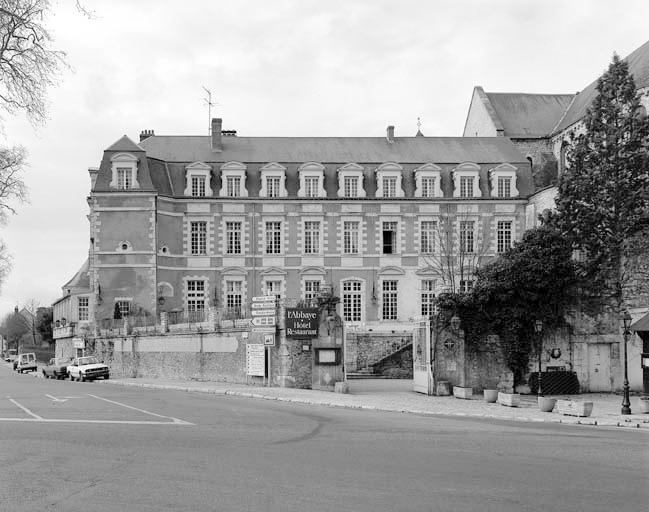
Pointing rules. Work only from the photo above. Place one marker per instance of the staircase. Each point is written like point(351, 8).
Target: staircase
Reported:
point(367, 372)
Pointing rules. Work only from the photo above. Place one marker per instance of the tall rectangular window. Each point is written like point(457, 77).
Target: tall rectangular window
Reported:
point(504, 232)
point(198, 237)
point(311, 186)
point(389, 237)
point(352, 301)
point(233, 186)
point(466, 236)
point(428, 297)
point(82, 310)
point(428, 230)
point(124, 178)
point(274, 288)
point(466, 186)
point(427, 186)
point(274, 237)
point(311, 237)
point(198, 186)
point(311, 292)
point(233, 237)
point(351, 230)
point(350, 184)
point(466, 285)
point(272, 186)
point(389, 186)
point(389, 300)
point(195, 296)
point(504, 186)
point(124, 307)
point(233, 297)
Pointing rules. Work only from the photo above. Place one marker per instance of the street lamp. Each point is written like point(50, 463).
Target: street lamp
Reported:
point(538, 328)
point(626, 402)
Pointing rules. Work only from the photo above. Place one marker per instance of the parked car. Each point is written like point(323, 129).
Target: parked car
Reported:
point(10, 355)
point(87, 368)
point(25, 362)
point(56, 368)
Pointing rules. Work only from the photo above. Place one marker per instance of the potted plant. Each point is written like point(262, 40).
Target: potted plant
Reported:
point(491, 396)
point(546, 404)
point(643, 404)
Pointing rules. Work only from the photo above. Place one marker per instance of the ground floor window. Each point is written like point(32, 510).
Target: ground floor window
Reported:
point(196, 297)
point(427, 297)
point(124, 307)
point(233, 296)
point(311, 292)
point(274, 288)
point(389, 300)
point(352, 301)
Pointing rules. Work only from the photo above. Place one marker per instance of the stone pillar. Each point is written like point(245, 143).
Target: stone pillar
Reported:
point(164, 321)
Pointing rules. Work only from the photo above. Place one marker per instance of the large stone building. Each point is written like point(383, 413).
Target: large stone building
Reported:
point(187, 223)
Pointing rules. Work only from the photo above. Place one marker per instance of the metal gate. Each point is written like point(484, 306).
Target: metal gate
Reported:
point(422, 360)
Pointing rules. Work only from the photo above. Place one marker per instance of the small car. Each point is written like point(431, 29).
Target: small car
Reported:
point(87, 368)
point(10, 355)
point(25, 362)
point(56, 368)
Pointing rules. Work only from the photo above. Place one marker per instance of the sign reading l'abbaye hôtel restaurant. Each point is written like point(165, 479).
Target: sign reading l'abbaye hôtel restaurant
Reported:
point(302, 322)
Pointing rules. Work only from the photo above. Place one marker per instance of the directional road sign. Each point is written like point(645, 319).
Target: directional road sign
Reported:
point(264, 298)
point(260, 321)
point(263, 312)
point(269, 339)
point(266, 329)
point(262, 305)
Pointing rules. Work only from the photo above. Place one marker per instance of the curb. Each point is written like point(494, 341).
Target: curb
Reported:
point(526, 419)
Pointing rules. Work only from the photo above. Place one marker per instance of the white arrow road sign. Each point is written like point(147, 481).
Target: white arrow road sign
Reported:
point(62, 399)
point(265, 321)
point(263, 312)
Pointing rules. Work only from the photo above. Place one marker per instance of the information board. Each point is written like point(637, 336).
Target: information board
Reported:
point(302, 322)
point(255, 360)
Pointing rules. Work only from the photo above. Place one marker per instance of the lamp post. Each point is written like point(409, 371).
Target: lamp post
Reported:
point(626, 402)
point(538, 329)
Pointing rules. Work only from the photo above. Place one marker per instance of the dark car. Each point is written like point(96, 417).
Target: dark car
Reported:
point(56, 368)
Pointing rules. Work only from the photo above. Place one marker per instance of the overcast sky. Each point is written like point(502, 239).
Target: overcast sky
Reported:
point(300, 68)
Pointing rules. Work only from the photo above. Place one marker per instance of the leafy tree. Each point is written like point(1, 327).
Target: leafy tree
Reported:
point(44, 324)
point(13, 328)
point(603, 199)
point(534, 280)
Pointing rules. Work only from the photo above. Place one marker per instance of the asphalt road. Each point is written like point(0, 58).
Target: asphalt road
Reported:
point(71, 446)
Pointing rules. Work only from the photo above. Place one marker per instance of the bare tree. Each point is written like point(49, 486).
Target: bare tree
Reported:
point(456, 247)
point(5, 262)
point(12, 187)
point(28, 63)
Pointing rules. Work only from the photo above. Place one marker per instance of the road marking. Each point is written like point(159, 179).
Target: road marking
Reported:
point(57, 399)
point(25, 409)
point(110, 422)
point(175, 420)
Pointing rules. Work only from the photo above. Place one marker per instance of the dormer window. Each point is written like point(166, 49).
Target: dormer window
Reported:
point(388, 179)
point(466, 181)
point(273, 180)
point(197, 180)
point(350, 181)
point(124, 172)
point(428, 181)
point(503, 181)
point(233, 180)
point(311, 180)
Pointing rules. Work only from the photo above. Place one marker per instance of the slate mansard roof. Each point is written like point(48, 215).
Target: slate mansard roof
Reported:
point(162, 159)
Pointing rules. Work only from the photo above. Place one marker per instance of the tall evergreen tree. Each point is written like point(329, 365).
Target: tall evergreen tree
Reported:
point(603, 199)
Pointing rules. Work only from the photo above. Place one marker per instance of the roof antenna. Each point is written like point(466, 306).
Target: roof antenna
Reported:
point(208, 102)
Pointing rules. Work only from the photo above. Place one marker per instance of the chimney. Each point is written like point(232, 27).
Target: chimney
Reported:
point(390, 134)
point(93, 171)
point(217, 123)
point(145, 134)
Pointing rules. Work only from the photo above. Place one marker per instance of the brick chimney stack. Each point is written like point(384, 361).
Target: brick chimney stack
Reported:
point(217, 124)
point(390, 134)
point(145, 134)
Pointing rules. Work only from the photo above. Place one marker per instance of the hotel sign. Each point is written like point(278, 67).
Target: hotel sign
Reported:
point(302, 323)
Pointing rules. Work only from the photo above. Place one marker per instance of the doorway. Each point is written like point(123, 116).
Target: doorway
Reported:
point(599, 367)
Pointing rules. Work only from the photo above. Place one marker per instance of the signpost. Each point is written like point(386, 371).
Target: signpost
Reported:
point(263, 312)
point(269, 340)
point(302, 323)
point(255, 360)
point(264, 320)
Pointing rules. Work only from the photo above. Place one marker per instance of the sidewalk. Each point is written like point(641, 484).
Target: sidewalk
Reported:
point(398, 397)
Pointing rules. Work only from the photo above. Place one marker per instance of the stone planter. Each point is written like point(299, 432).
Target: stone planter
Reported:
point(546, 404)
point(462, 392)
point(509, 399)
point(643, 405)
point(491, 396)
point(574, 408)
